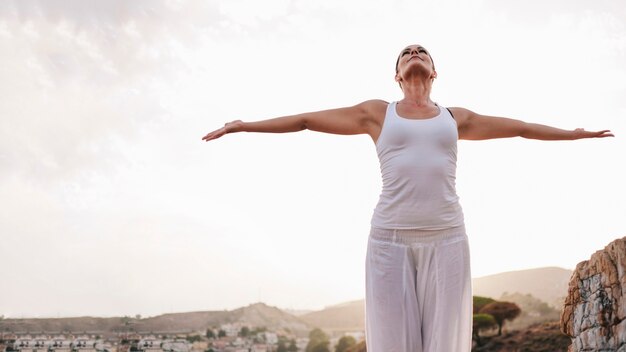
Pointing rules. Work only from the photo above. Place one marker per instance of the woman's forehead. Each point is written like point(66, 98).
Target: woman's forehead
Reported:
point(413, 46)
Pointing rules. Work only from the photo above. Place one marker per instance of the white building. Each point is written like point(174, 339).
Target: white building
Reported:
point(24, 344)
point(176, 346)
point(42, 343)
point(85, 344)
point(149, 344)
point(60, 344)
point(231, 329)
point(258, 348)
point(271, 338)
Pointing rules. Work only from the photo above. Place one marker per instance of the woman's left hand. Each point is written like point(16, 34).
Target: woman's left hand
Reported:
point(580, 133)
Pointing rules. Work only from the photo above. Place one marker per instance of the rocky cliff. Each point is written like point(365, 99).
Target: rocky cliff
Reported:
point(595, 307)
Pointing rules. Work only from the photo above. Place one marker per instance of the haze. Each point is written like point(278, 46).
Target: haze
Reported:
point(110, 203)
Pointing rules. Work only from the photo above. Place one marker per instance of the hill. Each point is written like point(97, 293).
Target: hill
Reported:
point(258, 314)
point(547, 284)
point(349, 316)
point(65, 324)
point(530, 289)
point(533, 311)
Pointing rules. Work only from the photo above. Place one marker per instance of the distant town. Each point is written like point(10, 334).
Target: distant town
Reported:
point(224, 338)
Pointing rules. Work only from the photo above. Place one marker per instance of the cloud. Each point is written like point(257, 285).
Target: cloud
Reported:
point(79, 75)
point(544, 11)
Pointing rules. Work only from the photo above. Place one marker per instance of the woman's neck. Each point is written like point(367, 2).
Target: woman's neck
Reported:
point(417, 92)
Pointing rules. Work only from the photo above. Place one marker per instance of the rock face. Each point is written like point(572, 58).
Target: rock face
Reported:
point(595, 308)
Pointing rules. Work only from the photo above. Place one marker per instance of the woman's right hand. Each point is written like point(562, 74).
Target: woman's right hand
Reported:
point(228, 128)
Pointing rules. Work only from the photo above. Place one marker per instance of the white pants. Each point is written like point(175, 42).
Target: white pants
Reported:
point(418, 291)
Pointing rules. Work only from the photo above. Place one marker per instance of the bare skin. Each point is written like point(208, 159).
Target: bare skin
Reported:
point(416, 73)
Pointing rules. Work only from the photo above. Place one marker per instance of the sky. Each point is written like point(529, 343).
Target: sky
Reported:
point(110, 203)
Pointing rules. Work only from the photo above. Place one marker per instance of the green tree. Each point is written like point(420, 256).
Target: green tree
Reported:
point(321, 347)
point(359, 347)
point(259, 329)
point(482, 322)
point(194, 338)
point(281, 347)
point(292, 346)
point(479, 302)
point(318, 335)
point(210, 334)
point(244, 332)
point(221, 333)
point(318, 341)
point(344, 343)
point(501, 311)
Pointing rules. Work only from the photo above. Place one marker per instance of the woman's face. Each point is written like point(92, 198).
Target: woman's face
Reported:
point(415, 55)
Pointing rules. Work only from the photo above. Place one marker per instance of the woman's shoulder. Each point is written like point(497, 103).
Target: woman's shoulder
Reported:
point(375, 105)
point(374, 109)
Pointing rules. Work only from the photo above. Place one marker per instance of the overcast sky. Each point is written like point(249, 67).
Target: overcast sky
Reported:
point(110, 203)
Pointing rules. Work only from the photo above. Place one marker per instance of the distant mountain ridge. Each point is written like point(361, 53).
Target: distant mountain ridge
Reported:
point(348, 316)
point(548, 284)
point(258, 314)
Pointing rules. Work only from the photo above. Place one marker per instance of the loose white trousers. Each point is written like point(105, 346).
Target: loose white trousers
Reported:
point(418, 291)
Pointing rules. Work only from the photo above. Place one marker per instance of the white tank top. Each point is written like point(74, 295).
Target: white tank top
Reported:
point(418, 167)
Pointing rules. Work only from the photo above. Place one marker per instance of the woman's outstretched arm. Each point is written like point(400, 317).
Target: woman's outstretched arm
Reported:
point(358, 119)
point(474, 126)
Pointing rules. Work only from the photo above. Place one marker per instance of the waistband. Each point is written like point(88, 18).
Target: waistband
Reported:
point(409, 236)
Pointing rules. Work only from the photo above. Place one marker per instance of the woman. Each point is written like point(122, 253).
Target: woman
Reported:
point(418, 283)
